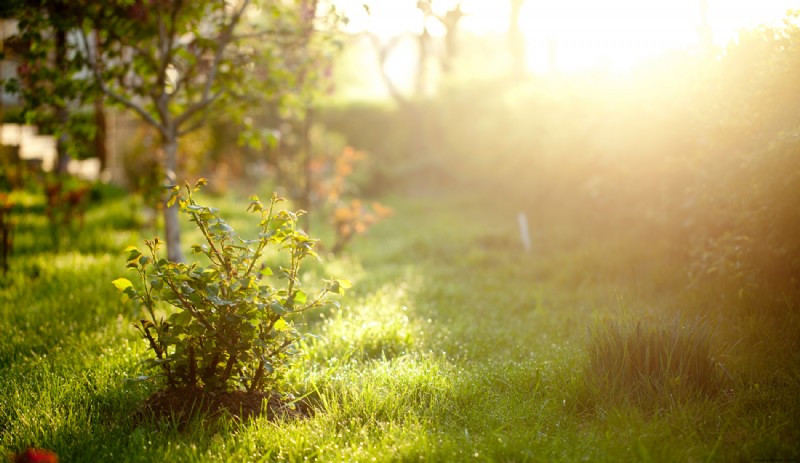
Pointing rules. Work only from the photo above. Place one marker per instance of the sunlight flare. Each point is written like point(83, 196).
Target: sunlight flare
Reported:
point(579, 35)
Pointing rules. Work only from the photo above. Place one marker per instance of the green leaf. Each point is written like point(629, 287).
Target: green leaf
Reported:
point(300, 297)
point(130, 292)
point(181, 318)
point(339, 286)
point(133, 253)
point(175, 193)
point(277, 308)
point(281, 325)
point(122, 283)
point(255, 204)
point(335, 288)
point(196, 329)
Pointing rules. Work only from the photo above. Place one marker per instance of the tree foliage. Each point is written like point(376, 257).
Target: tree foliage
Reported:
point(48, 77)
point(174, 63)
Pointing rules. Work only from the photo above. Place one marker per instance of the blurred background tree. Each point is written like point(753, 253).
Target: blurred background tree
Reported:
point(52, 91)
point(174, 64)
point(644, 121)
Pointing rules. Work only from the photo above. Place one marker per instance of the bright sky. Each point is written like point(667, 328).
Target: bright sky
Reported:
point(582, 34)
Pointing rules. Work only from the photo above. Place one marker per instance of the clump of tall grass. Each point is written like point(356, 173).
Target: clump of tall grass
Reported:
point(642, 363)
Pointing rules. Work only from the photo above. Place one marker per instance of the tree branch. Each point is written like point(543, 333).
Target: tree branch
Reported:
point(195, 108)
point(166, 42)
point(93, 61)
point(383, 55)
point(223, 40)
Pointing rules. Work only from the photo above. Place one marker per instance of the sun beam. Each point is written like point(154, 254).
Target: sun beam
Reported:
point(571, 36)
point(576, 35)
point(579, 34)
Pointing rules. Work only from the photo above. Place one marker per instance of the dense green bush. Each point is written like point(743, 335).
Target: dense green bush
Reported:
point(231, 326)
point(748, 182)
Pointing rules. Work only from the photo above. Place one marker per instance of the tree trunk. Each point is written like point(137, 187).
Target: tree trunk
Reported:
point(516, 41)
point(62, 115)
point(450, 21)
point(704, 31)
point(171, 223)
point(100, 139)
point(101, 127)
point(421, 82)
point(308, 10)
point(308, 174)
point(416, 119)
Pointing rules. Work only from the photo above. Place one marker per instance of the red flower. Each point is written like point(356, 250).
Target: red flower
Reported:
point(36, 456)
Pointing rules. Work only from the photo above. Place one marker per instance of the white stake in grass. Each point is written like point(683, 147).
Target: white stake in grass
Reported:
point(524, 234)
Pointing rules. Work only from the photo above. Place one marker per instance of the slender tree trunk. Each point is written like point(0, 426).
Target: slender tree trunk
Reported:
point(308, 10)
point(417, 120)
point(704, 31)
point(450, 21)
point(516, 41)
point(100, 139)
point(171, 223)
point(421, 83)
point(308, 180)
point(100, 136)
point(62, 116)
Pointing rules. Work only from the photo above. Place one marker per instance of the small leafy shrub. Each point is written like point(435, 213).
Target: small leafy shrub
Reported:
point(333, 172)
point(12, 168)
point(66, 202)
point(231, 329)
point(644, 364)
point(349, 217)
point(353, 218)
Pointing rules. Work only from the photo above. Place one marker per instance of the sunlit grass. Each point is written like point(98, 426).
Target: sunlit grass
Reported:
point(374, 327)
point(454, 345)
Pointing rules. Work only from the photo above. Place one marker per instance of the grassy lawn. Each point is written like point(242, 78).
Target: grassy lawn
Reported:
point(453, 345)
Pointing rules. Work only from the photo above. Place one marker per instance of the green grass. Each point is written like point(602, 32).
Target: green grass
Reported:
point(656, 364)
point(454, 345)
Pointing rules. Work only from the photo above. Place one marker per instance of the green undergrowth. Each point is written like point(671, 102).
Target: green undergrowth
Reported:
point(453, 345)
